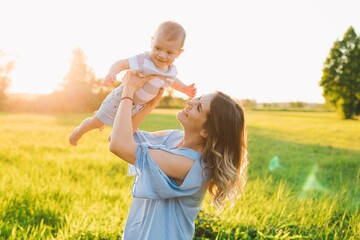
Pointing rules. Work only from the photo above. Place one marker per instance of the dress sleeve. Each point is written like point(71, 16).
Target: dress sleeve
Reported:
point(152, 183)
point(169, 140)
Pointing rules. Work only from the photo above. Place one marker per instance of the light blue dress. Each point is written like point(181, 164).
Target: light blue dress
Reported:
point(161, 209)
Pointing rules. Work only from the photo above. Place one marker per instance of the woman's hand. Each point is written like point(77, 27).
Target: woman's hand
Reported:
point(139, 117)
point(122, 142)
point(132, 82)
point(154, 102)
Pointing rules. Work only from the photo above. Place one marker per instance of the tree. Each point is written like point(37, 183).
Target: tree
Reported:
point(341, 75)
point(5, 69)
point(166, 100)
point(80, 85)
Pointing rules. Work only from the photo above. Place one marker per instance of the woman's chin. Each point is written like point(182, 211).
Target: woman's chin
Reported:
point(180, 117)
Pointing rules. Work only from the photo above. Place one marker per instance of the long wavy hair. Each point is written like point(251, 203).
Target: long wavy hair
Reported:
point(225, 149)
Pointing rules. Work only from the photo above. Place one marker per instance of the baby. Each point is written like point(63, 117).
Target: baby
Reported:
point(167, 45)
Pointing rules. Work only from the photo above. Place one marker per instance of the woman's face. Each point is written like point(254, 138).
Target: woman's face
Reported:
point(193, 116)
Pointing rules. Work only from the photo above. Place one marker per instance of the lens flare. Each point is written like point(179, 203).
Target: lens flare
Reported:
point(275, 164)
point(312, 184)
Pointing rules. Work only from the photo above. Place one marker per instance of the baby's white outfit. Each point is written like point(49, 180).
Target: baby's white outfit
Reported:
point(143, 64)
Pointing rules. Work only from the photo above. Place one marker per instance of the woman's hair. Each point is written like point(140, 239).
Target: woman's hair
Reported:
point(225, 149)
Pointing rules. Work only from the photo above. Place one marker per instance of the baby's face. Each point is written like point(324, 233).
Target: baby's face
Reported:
point(164, 52)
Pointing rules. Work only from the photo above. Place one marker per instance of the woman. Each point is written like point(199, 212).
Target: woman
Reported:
point(172, 178)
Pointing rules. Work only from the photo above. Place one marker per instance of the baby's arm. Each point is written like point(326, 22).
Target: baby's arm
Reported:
point(189, 90)
point(115, 69)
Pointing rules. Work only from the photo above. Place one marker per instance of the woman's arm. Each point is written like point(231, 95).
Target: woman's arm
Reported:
point(122, 143)
point(139, 117)
point(174, 166)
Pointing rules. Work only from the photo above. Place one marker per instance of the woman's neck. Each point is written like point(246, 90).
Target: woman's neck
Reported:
point(194, 143)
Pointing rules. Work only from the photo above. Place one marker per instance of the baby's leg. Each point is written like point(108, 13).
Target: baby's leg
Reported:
point(86, 125)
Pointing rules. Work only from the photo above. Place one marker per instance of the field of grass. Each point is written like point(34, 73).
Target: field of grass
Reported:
point(304, 180)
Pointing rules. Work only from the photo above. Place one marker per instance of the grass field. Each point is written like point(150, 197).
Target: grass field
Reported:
point(304, 180)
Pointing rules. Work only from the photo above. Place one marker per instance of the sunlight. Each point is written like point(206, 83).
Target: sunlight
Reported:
point(45, 41)
point(36, 74)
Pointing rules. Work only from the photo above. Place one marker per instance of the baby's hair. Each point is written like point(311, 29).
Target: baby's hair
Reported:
point(172, 31)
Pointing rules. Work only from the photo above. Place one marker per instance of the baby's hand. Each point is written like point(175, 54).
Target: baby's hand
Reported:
point(190, 90)
point(110, 79)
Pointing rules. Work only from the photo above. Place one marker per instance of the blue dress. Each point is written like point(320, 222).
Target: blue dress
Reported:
point(162, 209)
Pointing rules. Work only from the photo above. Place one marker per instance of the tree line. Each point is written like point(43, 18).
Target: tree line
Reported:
point(82, 91)
point(341, 75)
point(79, 91)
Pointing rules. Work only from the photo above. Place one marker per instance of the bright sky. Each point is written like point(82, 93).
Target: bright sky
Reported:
point(270, 51)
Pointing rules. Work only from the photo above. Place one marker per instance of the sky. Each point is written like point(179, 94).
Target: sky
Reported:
point(268, 51)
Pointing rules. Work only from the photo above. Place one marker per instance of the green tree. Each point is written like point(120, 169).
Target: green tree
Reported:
point(6, 66)
point(341, 75)
point(80, 86)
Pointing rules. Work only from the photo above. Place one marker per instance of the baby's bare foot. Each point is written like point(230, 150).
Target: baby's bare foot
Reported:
point(74, 136)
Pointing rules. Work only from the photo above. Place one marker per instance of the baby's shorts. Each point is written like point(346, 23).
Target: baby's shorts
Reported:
point(107, 111)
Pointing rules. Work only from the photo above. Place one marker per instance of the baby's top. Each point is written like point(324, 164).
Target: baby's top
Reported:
point(143, 64)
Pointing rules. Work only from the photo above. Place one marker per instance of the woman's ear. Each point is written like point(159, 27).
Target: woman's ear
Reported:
point(204, 133)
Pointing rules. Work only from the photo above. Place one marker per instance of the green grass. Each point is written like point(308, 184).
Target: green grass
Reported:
point(50, 190)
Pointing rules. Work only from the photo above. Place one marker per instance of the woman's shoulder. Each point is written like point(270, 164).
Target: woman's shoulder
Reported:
point(169, 138)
